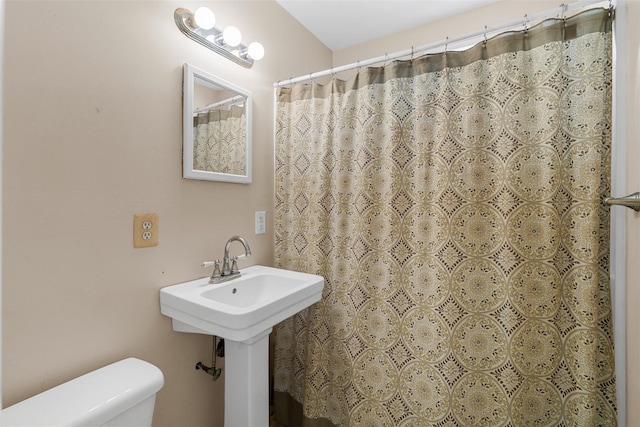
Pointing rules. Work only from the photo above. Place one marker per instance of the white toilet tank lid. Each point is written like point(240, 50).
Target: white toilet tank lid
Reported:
point(91, 399)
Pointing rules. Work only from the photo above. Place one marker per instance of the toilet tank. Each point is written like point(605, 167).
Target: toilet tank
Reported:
point(120, 394)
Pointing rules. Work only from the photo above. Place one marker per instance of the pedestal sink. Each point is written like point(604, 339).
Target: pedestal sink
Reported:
point(243, 311)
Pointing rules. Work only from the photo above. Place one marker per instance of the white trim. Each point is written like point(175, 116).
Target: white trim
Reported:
point(618, 252)
point(2, 27)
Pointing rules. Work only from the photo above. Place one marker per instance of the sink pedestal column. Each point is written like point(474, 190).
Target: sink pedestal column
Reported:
point(246, 384)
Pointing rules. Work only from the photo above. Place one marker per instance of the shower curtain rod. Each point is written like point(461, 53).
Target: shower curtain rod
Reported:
point(233, 100)
point(525, 22)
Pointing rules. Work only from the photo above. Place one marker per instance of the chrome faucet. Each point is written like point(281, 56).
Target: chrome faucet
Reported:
point(230, 265)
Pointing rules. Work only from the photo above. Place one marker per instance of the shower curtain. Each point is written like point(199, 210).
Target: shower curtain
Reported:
point(219, 141)
point(453, 204)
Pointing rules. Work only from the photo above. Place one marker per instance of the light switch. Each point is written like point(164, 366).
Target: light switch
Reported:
point(261, 222)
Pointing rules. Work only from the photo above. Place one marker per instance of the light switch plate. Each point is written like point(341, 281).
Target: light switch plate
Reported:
point(145, 230)
point(261, 222)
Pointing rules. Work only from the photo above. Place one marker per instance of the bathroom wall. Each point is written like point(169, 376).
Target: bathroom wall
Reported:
point(92, 135)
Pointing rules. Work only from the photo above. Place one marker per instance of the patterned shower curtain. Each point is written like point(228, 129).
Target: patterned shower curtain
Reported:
point(219, 141)
point(453, 204)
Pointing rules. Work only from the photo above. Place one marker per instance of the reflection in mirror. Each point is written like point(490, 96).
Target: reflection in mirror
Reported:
point(217, 128)
point(219, 131)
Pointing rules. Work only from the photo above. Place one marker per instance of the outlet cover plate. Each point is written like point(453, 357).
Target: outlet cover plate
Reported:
point(145, 230)
point(261, 222)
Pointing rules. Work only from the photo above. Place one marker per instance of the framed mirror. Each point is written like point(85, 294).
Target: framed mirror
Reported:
point(216, 128)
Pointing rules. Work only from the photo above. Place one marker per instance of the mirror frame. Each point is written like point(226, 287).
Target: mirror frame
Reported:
point(193, 76)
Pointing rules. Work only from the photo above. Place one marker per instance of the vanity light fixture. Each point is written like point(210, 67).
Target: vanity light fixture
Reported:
point(199, 26)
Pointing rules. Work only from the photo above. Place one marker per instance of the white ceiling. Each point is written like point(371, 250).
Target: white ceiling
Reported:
point(344, 23)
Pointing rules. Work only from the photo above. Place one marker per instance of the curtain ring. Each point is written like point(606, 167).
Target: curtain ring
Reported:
point(384, 64)
point(358, 65)
point(484, 43)
point(446, 44)
point(412, 53)
point(564, 15)
point(526, 25)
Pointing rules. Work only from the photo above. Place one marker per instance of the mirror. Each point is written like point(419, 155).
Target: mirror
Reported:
point(216, 128)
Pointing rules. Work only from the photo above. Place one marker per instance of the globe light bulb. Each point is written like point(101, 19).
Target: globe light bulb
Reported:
point(204, 18)
point(232, 36)
point(255, 51)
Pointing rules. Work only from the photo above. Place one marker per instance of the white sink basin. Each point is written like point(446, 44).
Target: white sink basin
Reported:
point(242, 308)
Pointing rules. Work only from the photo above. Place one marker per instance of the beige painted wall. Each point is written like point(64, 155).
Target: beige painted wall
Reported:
point(93, 135)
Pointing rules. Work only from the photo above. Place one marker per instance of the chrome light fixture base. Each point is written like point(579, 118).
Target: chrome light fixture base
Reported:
point(183, 18)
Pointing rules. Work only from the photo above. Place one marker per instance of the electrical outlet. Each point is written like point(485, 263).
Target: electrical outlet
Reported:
point(261, 222)
point(145, 230)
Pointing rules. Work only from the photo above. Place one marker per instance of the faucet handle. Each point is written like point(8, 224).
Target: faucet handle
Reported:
point(215, 264)
point(216, 269)
point(234, 264)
